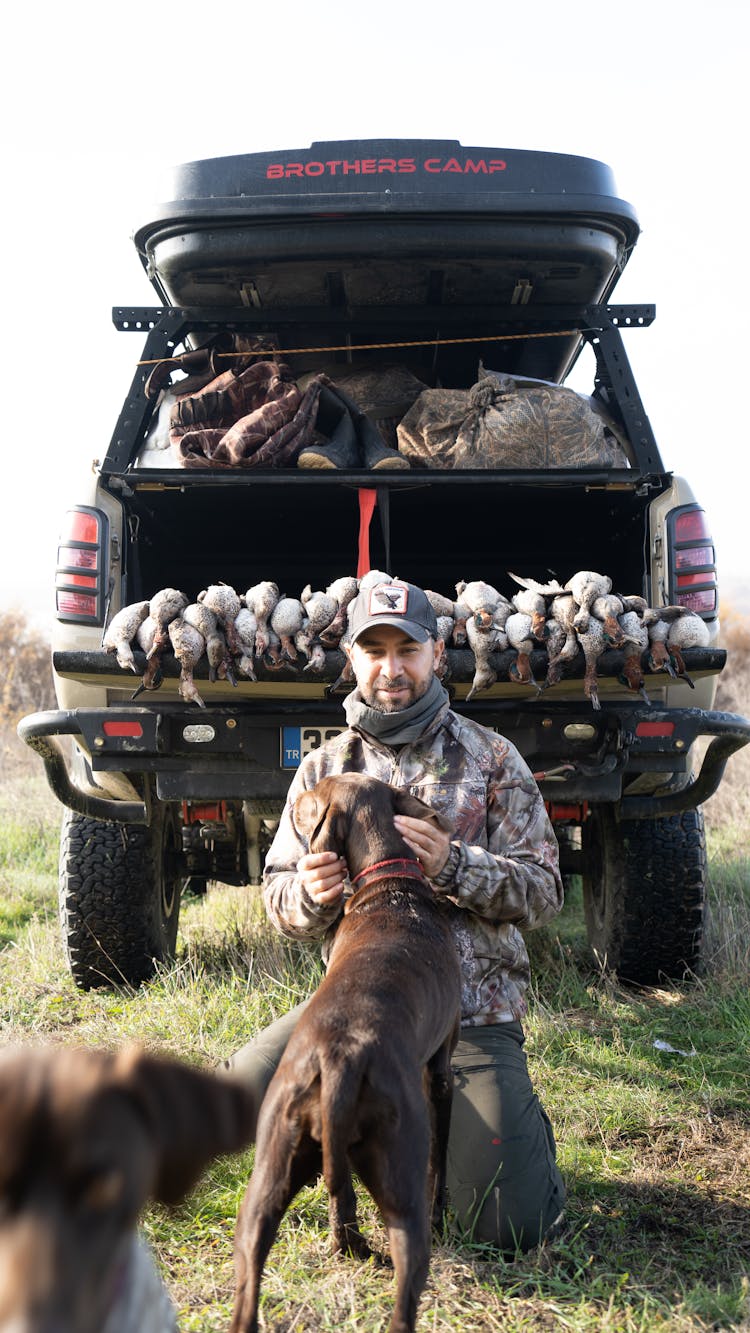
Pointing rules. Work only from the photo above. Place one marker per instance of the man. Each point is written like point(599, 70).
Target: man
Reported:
point(497, 874)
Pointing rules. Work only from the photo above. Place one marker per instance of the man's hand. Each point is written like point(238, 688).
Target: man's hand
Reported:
point(430, 844)
point(322, 875)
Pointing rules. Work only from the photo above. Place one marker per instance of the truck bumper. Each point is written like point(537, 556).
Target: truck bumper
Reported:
point(223, 753)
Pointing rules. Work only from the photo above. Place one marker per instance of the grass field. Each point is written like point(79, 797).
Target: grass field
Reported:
point(653, 1143)
point(649, 1094)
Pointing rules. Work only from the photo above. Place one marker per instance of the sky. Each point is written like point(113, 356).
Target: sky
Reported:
point(98, 102)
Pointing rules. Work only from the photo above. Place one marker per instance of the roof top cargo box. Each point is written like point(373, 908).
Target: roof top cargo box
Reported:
point(392, 231)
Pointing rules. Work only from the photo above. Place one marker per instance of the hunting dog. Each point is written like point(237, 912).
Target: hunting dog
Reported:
point(86, 1138)
point(365, 1082)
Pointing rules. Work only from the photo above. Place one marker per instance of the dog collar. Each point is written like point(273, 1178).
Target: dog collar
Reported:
point(395, 861)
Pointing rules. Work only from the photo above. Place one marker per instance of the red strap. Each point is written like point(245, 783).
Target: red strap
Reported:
point(367, 501)
point(396, 861)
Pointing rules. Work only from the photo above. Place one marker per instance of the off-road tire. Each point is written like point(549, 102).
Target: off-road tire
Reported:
point(119, 898)
point(644, 893)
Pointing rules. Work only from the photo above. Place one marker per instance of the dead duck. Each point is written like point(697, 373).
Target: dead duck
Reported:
point(461, 613)
point(458, 612)
point(121, 631)
point(534, 604)
point(441, 605)
point(658, 622)
point(152, 676)
point(261, 598)
point(635, 643)
point(586, 586)
point(343, 591)
point(483, 641)
point(224, 601)
point(311, 648)
point(272, 658)
point(485, 603)
point(188, 646)
point(201, 617)
point(592, 643)
point(287, 619)
point(220, 661)
point(561, 641)
point(687, 631)
point(444, 632)
point(164, 607)
point(519, 628)
point(246, 629)
point(608, 609)
point(320, 610)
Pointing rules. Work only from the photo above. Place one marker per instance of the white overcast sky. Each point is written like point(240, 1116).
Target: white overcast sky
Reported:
point(99, 100)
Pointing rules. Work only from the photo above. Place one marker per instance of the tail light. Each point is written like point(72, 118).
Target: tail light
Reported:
point(692, 562)
point(80, 580)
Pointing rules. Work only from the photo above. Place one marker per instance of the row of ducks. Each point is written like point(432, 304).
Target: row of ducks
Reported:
point(584, 614)
point(235, 630)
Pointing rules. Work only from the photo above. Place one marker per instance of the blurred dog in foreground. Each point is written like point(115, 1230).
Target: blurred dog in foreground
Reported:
point(87, 1137)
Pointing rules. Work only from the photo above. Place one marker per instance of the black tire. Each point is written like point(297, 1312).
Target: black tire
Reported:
point(644, 893)
point(119, 897)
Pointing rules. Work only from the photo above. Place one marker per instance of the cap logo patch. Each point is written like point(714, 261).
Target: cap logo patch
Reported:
point(388, 599)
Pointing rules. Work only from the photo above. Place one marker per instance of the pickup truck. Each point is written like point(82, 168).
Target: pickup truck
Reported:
point(441, 259)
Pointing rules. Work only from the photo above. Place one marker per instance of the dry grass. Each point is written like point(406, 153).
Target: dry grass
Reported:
point(730, 806)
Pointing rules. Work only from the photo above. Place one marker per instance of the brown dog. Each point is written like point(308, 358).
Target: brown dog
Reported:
point(377, 1036)
point(86, 1137)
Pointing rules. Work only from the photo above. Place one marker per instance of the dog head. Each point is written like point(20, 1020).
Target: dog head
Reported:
point(352, 814)
point(86, 1138)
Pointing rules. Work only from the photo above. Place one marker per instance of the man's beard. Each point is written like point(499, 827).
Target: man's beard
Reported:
point(387, 705)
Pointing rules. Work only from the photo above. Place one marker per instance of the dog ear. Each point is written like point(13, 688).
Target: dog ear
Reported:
point(192, 1116)
point(406, 804)
point(322, 817)
point(306, 812)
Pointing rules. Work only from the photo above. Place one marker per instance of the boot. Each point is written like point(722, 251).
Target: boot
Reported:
point(376, 453)
point(341, 450)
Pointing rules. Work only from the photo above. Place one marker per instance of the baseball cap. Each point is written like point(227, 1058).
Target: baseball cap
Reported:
point(400, 604)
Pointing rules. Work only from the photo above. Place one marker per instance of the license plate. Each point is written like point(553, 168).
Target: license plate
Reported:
point(296, 742)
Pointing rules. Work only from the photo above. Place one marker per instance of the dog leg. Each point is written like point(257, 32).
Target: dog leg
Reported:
point(394, 1170)
point(346, 1237)
point(409, 1242)
point(440, 1083)
point(279, 1174)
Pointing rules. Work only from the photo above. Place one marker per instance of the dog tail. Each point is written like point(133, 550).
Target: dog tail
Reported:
point(340, 1084)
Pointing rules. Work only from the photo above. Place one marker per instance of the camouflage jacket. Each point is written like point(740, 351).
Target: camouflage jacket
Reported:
point(502, 874)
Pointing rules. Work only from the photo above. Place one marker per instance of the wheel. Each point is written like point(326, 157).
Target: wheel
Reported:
point(119, 897)
point(644, 893)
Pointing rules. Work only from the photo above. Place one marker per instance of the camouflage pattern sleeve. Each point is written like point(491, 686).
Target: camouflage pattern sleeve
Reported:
point(516, 876)
point(290, 909)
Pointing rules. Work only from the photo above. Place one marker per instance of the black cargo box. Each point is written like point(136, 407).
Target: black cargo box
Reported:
point(383, 230)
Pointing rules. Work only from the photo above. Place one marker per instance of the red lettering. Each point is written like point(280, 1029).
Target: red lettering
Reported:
point(370, 166)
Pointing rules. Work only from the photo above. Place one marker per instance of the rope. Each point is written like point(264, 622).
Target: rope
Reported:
point(373, 347)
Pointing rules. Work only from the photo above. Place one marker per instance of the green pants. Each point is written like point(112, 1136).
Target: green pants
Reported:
point(503, 1183)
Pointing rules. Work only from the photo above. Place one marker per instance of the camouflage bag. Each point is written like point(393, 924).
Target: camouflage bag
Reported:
point(506, 422)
